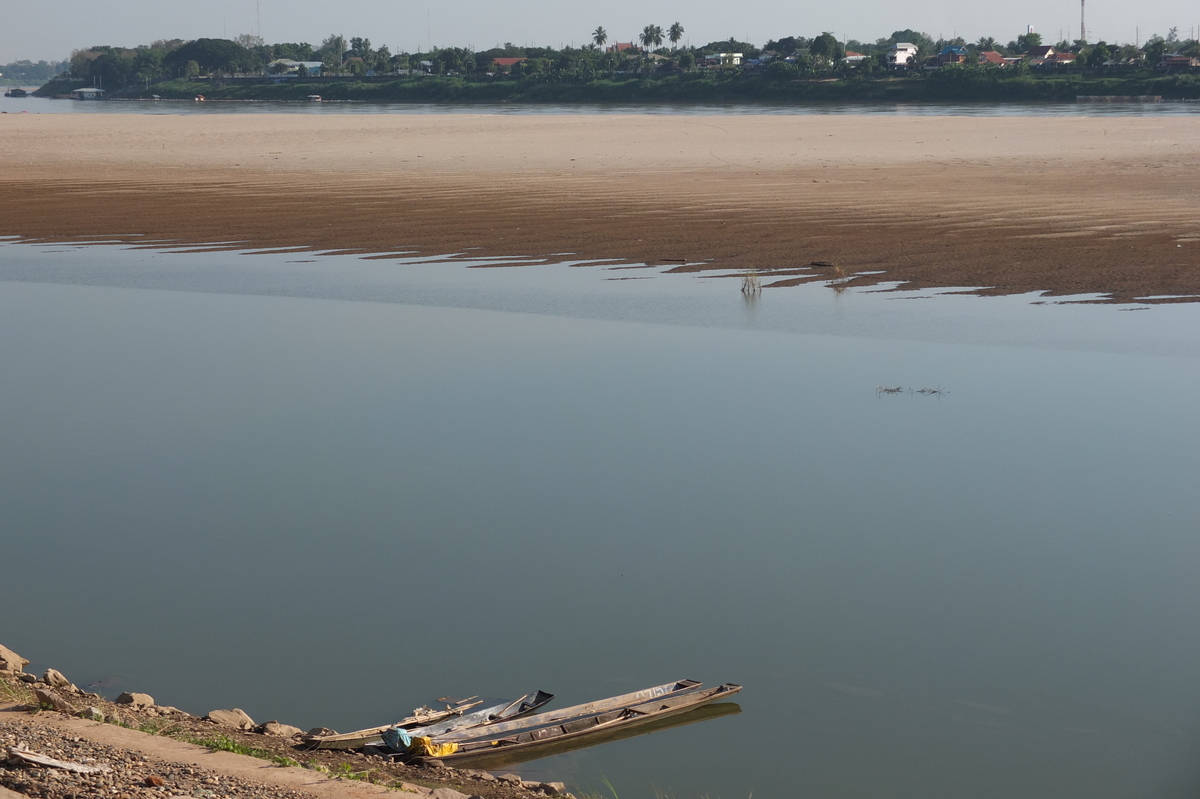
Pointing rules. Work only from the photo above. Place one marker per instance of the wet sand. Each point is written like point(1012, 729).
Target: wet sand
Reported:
point(1067, 205)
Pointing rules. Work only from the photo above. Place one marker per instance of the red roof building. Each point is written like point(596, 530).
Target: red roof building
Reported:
point(506, 64)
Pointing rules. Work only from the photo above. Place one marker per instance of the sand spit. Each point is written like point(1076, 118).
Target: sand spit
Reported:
point(1067, 205)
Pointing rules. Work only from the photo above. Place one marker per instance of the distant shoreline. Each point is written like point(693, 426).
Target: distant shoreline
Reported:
point(1072, 205)
point(979, 86)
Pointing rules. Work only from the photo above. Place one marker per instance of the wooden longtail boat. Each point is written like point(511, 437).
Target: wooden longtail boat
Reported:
point(671, 689)
point(505, 711)
point(503, 757)
point(420, 717)
point(583, 725)
point(438, 722)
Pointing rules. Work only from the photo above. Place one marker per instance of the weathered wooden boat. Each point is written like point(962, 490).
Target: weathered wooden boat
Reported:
point(495, 714)
point(583, 724)
point(420, 717)
point(504, 757)
point(452, 719)
point(670, 689)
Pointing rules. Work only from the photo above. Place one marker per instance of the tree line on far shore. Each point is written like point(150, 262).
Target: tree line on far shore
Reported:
point(791, 57)
point(26, 72)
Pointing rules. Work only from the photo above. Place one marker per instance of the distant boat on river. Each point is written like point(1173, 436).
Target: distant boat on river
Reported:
point(16, 92)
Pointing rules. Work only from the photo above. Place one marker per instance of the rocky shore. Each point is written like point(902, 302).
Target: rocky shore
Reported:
point(58, 741)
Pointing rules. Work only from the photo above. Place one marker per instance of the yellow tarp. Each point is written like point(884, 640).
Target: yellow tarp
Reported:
point(425, 746)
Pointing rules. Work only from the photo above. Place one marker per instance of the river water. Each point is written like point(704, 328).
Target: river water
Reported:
point(327, 489)
point(41, 105)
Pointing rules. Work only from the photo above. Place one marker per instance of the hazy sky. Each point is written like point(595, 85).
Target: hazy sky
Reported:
point(52, 28)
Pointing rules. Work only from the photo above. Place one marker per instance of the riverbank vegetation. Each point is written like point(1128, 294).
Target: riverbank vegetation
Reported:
point(784, 70)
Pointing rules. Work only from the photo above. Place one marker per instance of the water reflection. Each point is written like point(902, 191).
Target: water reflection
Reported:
point(504, 759)
point(40, 105)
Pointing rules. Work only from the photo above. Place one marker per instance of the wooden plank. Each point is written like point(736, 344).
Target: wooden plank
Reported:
point(26, 756)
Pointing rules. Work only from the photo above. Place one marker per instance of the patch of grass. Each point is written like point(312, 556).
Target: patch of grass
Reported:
point(346, 771)
point(751, 284)
point(164, 727)
point(16, 692)
point(223, 743)
point(607, 784)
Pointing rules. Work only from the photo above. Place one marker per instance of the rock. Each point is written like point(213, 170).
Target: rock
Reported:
point(511, 779)
point(418, 789)
point(319, 731)
point(447, 793)
point(55, 679)
point(137, 700)
point(11, 661)
point(553, 788)
point(280, 730)
point(478, 774)
point(28, 678)
point(154, 781)
point(53, 700)
point(167, 710)
point(91, 713)
point(232, 718)
point(531, 785)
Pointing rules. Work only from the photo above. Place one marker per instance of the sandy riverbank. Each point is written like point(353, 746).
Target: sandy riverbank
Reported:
point(1062, 204)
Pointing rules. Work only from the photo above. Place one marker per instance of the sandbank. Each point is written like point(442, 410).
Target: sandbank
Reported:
point(1068, 205)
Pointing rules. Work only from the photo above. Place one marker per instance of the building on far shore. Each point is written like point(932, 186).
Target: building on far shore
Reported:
point(506, 64)
point(719, 60)
point(952, 54)
point(903, 55)
point(286, 66)
point(88, 93)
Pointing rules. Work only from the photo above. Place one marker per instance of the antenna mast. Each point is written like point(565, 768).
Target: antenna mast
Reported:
point(1082, 25)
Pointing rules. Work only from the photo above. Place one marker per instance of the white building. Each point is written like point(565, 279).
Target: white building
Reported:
point(723, 60)
point(902, 54)
point(287, 66)
point(89, 93)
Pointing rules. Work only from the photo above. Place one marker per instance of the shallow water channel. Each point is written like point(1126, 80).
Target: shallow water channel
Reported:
point(327, 490)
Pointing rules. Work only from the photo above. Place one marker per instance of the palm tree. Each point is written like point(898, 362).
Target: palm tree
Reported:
point(651, 35)
point(675, 34)
point(599, 36)
point(987, 43)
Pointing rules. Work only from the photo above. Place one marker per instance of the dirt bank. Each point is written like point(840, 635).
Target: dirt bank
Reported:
point(152, 751)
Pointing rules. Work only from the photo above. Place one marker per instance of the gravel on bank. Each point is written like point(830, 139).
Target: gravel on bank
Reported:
point(134, 748)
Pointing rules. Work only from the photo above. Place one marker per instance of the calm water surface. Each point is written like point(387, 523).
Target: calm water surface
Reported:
point(327, 490)
point(41, 105)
